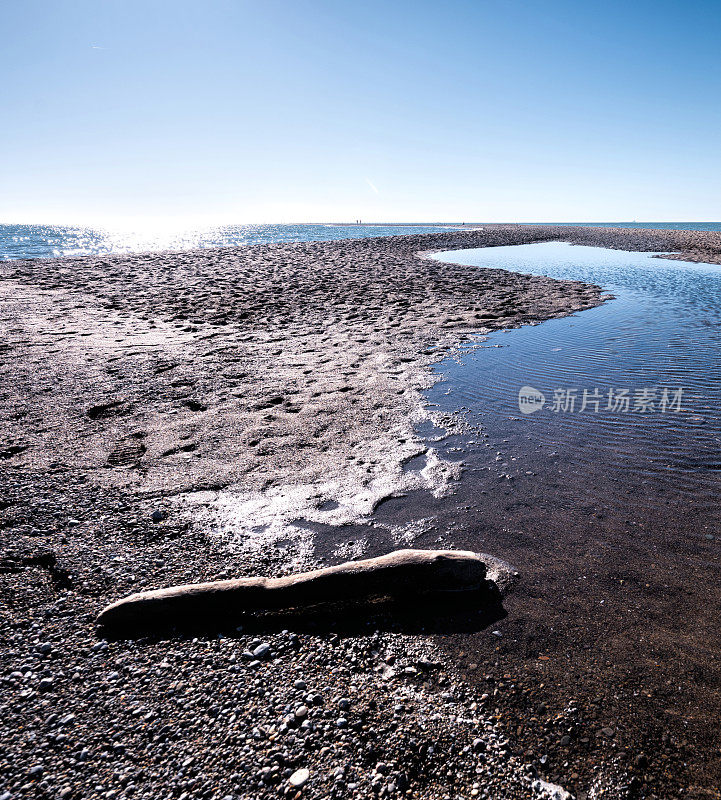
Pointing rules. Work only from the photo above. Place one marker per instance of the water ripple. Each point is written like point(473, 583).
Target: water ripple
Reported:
point(662, 331)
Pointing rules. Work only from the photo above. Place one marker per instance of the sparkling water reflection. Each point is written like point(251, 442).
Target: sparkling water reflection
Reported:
point(49, 241)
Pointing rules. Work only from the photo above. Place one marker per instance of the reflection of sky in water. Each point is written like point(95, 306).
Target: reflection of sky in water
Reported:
point(662, 330)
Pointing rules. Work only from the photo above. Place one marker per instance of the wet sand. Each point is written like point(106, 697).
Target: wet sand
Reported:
point(236, 391)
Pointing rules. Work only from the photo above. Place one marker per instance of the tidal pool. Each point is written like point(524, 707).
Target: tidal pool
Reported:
point(634, 384)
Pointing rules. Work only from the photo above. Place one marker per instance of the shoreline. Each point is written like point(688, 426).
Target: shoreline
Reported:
point(132, 383)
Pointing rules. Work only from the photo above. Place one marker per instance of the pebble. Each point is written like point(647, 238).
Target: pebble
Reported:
point(299, 778)
point(262, 651)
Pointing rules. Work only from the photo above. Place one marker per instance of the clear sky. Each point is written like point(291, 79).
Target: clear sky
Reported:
point(313, 110)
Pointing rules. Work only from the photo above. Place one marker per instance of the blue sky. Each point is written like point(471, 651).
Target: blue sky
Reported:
point(233, 111)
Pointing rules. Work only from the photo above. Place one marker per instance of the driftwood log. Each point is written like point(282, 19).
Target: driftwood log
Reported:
point(404, 575)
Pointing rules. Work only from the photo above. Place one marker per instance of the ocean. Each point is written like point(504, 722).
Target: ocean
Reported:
point(51, 241)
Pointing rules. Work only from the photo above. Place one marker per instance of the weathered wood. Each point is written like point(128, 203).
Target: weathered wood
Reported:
point(401, 575)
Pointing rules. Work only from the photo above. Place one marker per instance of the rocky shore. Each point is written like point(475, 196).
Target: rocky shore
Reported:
point(177, 417)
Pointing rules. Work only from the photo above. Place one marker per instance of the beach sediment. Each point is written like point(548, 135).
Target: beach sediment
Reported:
point(233, 391)
point(284, 379)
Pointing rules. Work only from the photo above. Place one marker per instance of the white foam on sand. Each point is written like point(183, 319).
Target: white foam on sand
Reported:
point(406, 535)
point(550, 791)
point(258, 522)
point(337, 485)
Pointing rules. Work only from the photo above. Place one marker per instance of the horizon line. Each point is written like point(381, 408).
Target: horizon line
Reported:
point(180, 223)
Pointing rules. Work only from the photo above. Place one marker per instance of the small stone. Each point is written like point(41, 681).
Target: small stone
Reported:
point(302, 685)
point(299, 778)
point(262, 651)
point(45, 684)
point(44, 648)
point(157, 515)
point(301, 712)
point(341, 722)
point(344, 704)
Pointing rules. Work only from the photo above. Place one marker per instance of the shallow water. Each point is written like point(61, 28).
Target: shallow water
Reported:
point(659, 339)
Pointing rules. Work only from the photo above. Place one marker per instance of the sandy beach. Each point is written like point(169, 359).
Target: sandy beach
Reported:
point(178, 417)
